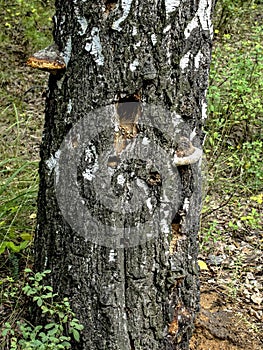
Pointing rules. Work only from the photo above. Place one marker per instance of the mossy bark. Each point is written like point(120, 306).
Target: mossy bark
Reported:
point(150, 52)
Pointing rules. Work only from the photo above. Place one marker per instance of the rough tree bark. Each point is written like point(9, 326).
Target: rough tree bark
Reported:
point(128, 57)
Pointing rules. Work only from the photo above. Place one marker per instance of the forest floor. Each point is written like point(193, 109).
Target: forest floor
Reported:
point(230, 259)
point(231, 315)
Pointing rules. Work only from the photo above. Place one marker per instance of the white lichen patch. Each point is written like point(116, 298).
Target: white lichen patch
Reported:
point(69, 106)
point(45, 262)
point(154, 39)
point(168, 55)
point(140, 183)
point(171, 5)
point(59, 83)
point(66, 53)
point(112, 255)
point(149, 204)
point(51, 163)
point(193, 134)
point(94, 47)
point(165, 198)
point(186, 204)
point(134, 65)
point(167, 28)
point(176, 121)
point(164, 226)
point(184, 62)
point(121, 179)
point(203, 16)
point(126, 6)
point(134, 31)
point(145, 141)
point(90, 172)
point(198, 59)
point(204, 110)
point(83, 25)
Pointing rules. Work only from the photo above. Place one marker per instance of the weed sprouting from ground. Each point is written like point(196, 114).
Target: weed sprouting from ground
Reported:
point(17, 333)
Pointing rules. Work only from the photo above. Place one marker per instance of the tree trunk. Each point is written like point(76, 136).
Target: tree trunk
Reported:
point(120, 182)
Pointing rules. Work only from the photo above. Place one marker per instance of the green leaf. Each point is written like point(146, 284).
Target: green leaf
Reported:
point(49, 288)
point(13, 247)
point(48, 296)
point(75, 334)
point(50, 325)
point(53, 331)
point(66, 344)
point(26, 236)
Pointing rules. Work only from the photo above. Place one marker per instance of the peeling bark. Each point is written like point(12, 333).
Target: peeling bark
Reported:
point(133, 296)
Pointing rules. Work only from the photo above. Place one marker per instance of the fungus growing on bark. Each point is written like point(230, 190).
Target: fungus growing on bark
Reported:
point(48, 59)
point(186, 153)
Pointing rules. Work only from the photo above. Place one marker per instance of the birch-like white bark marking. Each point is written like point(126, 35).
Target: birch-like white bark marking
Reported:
point(154, 39)
point(204, 110)
point(83, 25)
point(185, 61)
point(126, 6)
point(134, 65)
point(66, 53)
point(171, 5)
point(203, 15)
point(198, 59)
point(95, 47)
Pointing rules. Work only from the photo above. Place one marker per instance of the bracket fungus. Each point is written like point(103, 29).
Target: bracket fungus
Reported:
point(186, 153)
point(48, 59)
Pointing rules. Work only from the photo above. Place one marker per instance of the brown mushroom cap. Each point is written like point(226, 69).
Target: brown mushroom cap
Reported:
point(48, 59)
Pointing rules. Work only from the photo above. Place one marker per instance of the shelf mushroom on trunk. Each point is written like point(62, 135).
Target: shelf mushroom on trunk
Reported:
point(186, 153)
point(48, 59)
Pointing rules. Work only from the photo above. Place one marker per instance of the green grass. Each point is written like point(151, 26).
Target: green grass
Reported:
point(234, 143)
point(27, 23)
point(18, 189)
point(25, 28)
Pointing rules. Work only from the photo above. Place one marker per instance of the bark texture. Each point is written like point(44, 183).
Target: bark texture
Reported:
point(147, 52)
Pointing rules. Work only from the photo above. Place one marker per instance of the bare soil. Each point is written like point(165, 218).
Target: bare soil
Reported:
point(231, 315)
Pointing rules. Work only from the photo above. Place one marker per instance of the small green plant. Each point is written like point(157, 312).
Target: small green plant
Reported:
point(234, 285)
point(252, 220)
point(28, 21)
point(61, 326)
point(210, 235)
